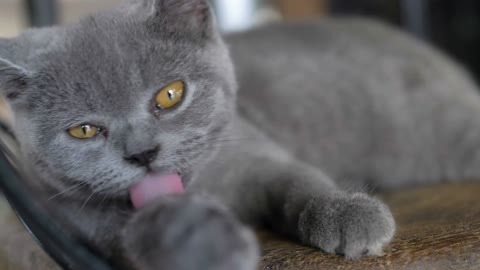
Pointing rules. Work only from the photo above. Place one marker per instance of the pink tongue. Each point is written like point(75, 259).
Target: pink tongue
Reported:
point(154, 186)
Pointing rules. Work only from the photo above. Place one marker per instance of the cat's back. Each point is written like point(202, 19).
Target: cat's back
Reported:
point(330, 50)
point(343, 85)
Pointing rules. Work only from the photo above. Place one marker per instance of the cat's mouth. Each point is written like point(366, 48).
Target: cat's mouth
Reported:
point(153, 186)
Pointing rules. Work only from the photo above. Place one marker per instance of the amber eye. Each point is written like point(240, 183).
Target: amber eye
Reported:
point(170, 95)
point(84, 131)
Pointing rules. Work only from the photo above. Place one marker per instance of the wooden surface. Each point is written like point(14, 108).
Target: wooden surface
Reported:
point(438, 228)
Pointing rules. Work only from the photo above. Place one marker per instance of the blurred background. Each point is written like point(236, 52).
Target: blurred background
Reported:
point(452, 25)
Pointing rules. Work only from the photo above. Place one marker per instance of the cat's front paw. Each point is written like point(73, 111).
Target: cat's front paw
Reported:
point(188, 233)
point(354, 225)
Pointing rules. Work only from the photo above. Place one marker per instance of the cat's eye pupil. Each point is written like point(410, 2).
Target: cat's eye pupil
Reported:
point(85, 129)
point(171, 95)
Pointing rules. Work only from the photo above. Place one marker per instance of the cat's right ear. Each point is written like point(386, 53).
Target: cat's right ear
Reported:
point(13, 79)
point(181, 16)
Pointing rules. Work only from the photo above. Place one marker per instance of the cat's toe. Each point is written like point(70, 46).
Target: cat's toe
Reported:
point(353, 225)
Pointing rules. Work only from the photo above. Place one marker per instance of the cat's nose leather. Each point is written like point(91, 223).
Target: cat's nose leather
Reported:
point(144, 158)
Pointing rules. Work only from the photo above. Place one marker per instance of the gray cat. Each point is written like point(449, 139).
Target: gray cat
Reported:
point(142, 101)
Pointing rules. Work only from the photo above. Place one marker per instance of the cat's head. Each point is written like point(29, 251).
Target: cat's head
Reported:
point(146, 87)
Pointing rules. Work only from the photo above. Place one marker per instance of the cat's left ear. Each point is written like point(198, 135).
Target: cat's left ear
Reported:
point(13, 79)
point(177, 16)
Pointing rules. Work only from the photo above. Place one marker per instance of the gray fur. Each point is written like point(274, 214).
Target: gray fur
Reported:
point(185, 224)
point(324, 110)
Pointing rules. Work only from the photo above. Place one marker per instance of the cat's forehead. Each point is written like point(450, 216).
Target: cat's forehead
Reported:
point(115, 67)
point(114, 50)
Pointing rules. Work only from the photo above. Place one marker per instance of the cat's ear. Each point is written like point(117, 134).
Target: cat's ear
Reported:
point(177, 16)
point(13, 79)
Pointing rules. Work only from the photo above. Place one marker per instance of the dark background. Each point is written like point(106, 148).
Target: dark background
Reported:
point(452, 25)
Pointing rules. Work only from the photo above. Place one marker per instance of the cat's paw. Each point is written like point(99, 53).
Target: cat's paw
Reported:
point(188, 233)
point(353, 225)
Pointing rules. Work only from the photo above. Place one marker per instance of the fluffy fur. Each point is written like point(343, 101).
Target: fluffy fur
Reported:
point(323, 110)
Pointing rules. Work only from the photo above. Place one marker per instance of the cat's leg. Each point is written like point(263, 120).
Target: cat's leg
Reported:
point(293, 198)
point(187, 233)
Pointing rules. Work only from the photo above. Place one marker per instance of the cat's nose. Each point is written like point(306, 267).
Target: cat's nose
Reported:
point(144, 158)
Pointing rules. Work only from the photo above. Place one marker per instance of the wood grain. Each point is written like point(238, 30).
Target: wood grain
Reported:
point(438, 228)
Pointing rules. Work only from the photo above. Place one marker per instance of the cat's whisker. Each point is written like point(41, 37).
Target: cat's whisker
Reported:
point(102, 188)
point(67, 190)
point(104, 200)
point(86, 201)
point(77, 189)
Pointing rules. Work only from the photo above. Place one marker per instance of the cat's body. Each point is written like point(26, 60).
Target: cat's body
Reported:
point(371, 107)
point(324, 109)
